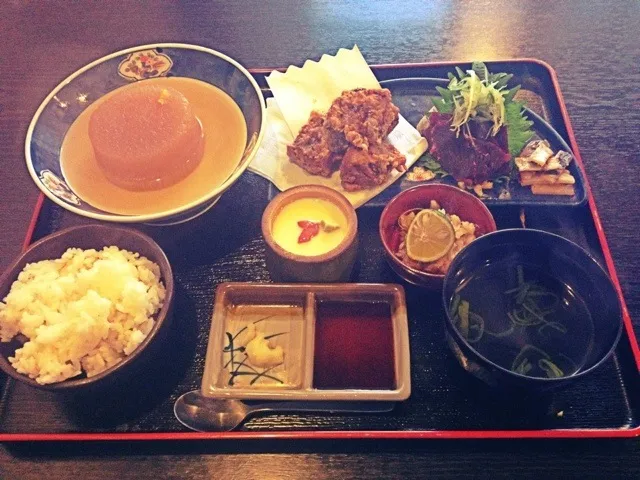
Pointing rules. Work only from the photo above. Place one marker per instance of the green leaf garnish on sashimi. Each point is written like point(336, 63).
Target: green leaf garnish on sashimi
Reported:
point(484, 97)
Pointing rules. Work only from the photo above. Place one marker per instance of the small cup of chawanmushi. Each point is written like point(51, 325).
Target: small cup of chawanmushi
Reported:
point(311, 235)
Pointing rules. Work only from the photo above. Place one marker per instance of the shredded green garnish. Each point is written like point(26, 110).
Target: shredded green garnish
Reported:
point(476, 323)
point(524, 367)
point(454, 305)
point(550, 368)
point(524, 351)
point(532, 304)
point(463, 313)
point(483, 97)
point(504, 333)
point(555, 325)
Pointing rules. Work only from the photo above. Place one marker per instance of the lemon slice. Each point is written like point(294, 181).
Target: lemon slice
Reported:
point(430, 236)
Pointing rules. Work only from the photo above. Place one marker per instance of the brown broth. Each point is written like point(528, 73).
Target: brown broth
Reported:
point(354, 346)
point(225, 136)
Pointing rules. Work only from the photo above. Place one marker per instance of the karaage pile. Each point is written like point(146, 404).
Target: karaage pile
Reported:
point(351, 137)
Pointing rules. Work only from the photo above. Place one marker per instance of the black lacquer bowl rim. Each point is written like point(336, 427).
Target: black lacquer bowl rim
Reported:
point(509, 235)
point(94, 231)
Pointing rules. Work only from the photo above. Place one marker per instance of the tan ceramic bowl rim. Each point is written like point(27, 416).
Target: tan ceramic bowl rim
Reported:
point(310, 191)
point(216, 191)
point(454, 191)
point(166, 274)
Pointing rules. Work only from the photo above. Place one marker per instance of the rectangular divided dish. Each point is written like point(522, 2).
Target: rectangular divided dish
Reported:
point(318, 364)
point(225, 245)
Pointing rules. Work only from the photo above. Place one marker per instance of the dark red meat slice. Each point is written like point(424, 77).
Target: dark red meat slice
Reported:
point(472, 160)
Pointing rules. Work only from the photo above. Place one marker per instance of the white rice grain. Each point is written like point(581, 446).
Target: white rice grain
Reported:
point(83, 312)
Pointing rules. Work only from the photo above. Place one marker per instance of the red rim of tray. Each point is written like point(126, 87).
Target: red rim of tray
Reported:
point(387, 434)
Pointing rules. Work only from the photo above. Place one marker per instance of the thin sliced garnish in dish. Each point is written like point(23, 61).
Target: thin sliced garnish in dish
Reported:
point(430, 238)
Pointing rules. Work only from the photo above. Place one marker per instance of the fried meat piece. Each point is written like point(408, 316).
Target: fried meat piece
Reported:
point(317, 149)
point(364, 116)
point(363, 169)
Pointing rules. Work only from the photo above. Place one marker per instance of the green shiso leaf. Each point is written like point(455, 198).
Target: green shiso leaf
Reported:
point(447, 95)
point(444, 103)
point(500, 80)
point(430, 163)
point(441, 105)
point(509, 94)
point(518, 127)
point(481, 70)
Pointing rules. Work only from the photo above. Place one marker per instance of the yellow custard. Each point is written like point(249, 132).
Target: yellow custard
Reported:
point(286, 231)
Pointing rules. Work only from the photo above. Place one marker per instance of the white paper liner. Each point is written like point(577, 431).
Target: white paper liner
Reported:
point(297, 93)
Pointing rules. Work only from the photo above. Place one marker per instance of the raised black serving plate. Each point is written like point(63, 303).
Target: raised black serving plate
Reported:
point(446, 402)
point(413, 97)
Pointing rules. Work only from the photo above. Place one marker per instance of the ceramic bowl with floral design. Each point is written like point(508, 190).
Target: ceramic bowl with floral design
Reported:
point(74, 94)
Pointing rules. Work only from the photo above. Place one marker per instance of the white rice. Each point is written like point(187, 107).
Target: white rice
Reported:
point(85, 311)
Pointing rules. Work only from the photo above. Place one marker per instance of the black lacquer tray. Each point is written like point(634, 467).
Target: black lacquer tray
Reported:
point(445, 402)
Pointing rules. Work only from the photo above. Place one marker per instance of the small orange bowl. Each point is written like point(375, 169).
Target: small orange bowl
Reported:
point(454, 201)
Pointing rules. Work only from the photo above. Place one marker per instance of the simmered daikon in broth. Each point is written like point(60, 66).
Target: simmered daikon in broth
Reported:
point(184, 160)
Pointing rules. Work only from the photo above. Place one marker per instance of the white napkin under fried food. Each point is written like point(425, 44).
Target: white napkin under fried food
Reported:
point(314, 87)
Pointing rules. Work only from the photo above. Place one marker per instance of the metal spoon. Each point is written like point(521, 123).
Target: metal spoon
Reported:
point(205, 414)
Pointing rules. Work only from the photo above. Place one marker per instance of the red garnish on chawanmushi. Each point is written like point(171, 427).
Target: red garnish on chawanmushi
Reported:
point(309, 230)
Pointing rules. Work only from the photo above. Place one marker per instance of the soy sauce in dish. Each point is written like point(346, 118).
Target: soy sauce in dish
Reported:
point(523, 319)
point(354, 346)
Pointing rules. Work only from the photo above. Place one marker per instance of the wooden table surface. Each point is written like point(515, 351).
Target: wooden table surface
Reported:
point(594, 47)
